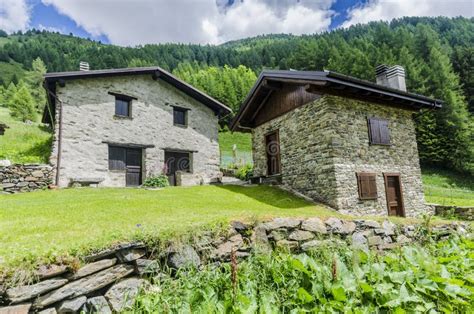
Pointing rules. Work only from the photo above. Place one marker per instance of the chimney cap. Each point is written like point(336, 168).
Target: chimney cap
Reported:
point(381, 69)
point(84, 66)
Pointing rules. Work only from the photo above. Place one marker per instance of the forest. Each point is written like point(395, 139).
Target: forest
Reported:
point(437, 53)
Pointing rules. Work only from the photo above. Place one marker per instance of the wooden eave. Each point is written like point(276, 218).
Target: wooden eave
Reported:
point(325, 83)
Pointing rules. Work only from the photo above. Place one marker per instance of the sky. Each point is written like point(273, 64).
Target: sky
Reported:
point(139, 22)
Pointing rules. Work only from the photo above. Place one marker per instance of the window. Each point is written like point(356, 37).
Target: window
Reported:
point(180, 116)
point(122, 107)
point(367, 185)
point(379, 134)
point(117, 158)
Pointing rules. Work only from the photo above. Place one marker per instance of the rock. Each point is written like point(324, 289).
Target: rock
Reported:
point(282, 223)
point(388, 246)
point(92, 268)
point(85, 285)
point(259, 239)
point(223, 251)
point(8, 185)
point(300, 235)
point(370, 224)
point(72, 306)
point(184, 256)
point(5, 163)
point(347, 227)
point(310, 245)
point(359, 241)
point(374, 240)
point(314, 225)
point(401, 239)
point(241, 254)
point(16, 309)
point(387, 240)
point(333, 223)
point(100, 255)
point(37, 174)
point(97, 305)
point(31, 179)
point(389, 227)
point(288, 245)
point(23, 293)
point(129, 255)
point(122, 295)
point(50, 310)
point(240, 227)
point(278, 234)
point(147, 267)
point(21, 184)
point(45, 272)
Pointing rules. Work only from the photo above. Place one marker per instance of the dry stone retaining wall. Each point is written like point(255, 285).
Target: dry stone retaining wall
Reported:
point(25, 178)
point(110, 280)
point(460, 212)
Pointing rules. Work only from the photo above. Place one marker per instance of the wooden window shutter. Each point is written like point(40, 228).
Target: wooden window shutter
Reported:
point(367, 185)
point(117, 156)
point(378, 131)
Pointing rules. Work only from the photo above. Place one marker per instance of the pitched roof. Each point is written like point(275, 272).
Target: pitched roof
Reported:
point(157, 72)
point(331, 83)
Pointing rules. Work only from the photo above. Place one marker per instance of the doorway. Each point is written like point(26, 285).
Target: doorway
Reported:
point(133, 164)
point(393, 191)
point(272, 147)
point(176, 161)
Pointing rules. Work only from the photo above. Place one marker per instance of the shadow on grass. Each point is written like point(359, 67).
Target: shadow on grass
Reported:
point(269, 195)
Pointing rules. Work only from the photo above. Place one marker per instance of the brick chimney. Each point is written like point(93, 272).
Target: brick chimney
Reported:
point(393, 77)
point(83, 66)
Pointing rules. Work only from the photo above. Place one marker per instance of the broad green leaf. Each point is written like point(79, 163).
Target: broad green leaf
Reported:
point(366, 287)
point(338, 293)
point(304, 296)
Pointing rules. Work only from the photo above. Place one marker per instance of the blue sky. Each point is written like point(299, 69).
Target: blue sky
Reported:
point(135, 22)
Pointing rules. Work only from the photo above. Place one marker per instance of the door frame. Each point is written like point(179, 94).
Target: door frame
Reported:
point(140, 178)
point(401, 202)
point(190, 160)
point(277, 133)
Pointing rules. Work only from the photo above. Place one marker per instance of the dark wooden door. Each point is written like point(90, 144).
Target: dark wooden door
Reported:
point(272, 146)
point(176, 161)
point(133, 163)
point(393, 190)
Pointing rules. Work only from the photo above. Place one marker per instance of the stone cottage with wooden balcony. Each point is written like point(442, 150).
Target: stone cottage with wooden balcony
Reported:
point(116, 127)
point(337, 139)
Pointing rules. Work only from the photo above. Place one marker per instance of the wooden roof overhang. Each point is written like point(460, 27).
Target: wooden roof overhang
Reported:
point(52, 79)
point(324, 82)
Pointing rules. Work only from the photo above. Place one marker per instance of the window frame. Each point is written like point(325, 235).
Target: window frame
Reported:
point(367, 178)
point(128, 102)
point(111, 166)
point(380, 127)
point(185, 116)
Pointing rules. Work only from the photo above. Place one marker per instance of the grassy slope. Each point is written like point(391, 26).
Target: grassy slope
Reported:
point(34, 224)
point(23, 143)
point(448, 188)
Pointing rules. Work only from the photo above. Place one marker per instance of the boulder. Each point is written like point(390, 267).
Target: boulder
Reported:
point(72, 306)
point(239, 226)
point(370, 224)
point(184, 256)
point(147, 267)
point(389, 227)
point(347, 227)
point(401, 239)
point(50, 310)
point(259, 239)
point(222, 252)
point(23, 293)
point(131, 254)
point(278, 234)
point(122, 295)
point(85, 285)
point(276, 223)
point(333, 223)
point(49, 271)
point(16, 309)
point(311, 245)
point(314, 225)
point(375, 240)
point(91, 268)
point(97, 305)
point(359, 241)
point(300, 235)
point(37, 174)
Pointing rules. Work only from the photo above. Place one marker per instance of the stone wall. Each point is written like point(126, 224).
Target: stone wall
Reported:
point(25, 178)
point(111, 279)
point(88, 121)
point(325, 143)
point(458, 212)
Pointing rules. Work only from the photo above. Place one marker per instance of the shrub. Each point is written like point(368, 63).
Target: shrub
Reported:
point(159, 181)
point(245, 172)
point(22, 105)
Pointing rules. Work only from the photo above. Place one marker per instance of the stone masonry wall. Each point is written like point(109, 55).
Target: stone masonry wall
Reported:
point(111, 279)
point(25, 178)
point(88, 121)
point(325, 143)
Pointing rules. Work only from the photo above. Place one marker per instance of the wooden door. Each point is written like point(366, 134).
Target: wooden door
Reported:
point(176, 161)
point(393, 191)
point(272, 146)
point(133, 164)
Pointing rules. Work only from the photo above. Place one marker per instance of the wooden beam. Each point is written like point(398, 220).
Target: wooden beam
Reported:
point(313, 87)
point(260, 106)
point(156, 75)
point(271, 85)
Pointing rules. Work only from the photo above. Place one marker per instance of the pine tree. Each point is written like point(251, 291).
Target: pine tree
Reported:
point(22, 105)
point(9, 93)
point(34, 79)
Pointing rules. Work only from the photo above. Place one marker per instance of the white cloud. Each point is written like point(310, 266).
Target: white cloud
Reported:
point(201, 21)
point(14, 15)
point(376, 10)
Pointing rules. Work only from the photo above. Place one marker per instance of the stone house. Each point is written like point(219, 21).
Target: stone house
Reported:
point(116, 127)
point(343, 141)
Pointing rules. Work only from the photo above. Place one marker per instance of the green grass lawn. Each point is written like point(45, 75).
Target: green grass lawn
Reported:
point(56, 222)
point(24, 143)
point(448, 188)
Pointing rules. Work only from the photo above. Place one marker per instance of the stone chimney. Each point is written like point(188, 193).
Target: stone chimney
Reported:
point(393, 77)
point(83, 66)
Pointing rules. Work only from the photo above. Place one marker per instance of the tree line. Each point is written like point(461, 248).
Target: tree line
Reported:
point(437, 53)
